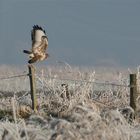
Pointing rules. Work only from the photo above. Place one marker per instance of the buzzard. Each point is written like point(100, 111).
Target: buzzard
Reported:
point(39, 45)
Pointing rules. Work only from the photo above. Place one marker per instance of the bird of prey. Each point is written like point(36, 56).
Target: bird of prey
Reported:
point(39, 45)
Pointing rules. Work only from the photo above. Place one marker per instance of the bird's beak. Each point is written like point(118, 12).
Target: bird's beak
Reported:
point(44, 36)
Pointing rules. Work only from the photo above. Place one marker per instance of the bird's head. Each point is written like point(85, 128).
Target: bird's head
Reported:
point(44, 37)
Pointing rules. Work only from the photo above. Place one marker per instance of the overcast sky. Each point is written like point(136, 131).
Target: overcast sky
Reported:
point(80, 32)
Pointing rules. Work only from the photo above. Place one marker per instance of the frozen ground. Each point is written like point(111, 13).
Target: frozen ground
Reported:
point(69, 106)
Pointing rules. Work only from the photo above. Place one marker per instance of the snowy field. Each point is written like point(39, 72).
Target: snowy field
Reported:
point(73, 104)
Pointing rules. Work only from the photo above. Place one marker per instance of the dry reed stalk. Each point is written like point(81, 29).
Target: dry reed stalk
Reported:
point(14, 116)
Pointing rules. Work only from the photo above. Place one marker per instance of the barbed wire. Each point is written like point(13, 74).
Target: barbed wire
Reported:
point(106, 83)
point(95, 100)
point(86, 81)
point(13, 76)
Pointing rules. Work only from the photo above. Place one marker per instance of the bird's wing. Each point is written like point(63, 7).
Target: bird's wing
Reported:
point(36, 35)
point(41, 48)
point(44, 45)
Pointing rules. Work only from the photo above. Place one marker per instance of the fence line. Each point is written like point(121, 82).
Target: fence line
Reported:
point(85, 81)
point(106, 83)
point(13, 76)
point(32, 77)
point(95, 100)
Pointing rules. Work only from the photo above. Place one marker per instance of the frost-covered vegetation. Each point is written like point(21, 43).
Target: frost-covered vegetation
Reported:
point(73, 103)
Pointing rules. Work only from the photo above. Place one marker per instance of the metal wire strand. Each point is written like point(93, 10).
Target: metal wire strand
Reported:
point(85, 81)
point(13, 76)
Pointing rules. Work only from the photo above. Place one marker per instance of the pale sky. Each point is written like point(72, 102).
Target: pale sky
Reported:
point(80, 32)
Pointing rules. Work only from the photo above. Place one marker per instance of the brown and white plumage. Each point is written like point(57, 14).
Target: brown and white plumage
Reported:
point(39, 45)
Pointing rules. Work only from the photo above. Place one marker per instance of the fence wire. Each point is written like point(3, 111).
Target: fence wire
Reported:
point(106, 83)
point(75, 81)
point(108, 95)
point(13, 76)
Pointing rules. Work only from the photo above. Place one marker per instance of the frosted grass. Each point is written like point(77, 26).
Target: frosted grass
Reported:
point(91, 112)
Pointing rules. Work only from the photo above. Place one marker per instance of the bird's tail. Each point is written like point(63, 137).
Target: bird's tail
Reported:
point(26, 51)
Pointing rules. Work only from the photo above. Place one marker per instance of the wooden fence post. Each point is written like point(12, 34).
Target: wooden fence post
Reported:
point(133, 90)
point(32, 86)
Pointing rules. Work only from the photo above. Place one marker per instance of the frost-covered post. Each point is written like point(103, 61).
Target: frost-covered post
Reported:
point(133, 90)
point(32, 86)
